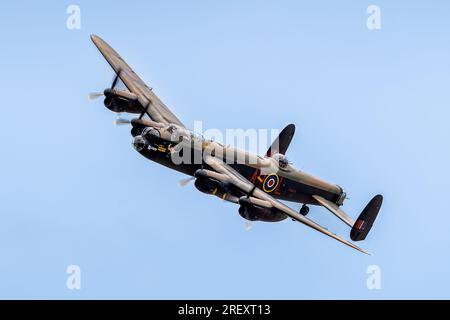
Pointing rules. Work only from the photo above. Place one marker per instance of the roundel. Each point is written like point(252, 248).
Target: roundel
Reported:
point(271, 183)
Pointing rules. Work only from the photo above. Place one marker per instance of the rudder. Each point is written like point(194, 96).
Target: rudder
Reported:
point(366, 219)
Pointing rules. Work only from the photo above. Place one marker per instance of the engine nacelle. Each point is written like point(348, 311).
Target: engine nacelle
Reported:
point(216, 188)
point(253, 213)
point(208, 186)
point(121, 101)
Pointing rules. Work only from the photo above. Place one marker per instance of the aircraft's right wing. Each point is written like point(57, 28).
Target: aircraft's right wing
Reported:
point(155, 108)
point(261, 198)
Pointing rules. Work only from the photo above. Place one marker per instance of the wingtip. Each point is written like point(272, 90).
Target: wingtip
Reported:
point(95, 39)
point(359, 249)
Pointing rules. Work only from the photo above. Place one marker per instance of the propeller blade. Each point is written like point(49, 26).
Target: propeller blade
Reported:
point(121, 121)
point(116, 78)
point(185, 182)
point(94, 95)
point(248, 225)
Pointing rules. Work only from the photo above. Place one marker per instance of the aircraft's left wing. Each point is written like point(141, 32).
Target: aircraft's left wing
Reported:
point(155, 108)
point(258, 196)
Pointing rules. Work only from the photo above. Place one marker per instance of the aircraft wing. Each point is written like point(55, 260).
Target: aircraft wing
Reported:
point(155, 108)
point(261, 198)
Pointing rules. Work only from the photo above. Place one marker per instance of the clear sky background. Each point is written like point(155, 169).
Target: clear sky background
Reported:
point(372, 114)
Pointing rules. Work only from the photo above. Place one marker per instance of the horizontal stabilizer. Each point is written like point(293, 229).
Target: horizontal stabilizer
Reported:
point(334, 209)
point(366, 219)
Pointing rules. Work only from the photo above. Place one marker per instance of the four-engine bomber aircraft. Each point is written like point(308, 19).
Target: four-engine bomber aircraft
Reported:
point(255, 184)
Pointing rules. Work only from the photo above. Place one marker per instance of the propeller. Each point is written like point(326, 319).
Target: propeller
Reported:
point(248, 225)
point(119, 121)
point(96, 95)
point(185, 182)
point(116, 78)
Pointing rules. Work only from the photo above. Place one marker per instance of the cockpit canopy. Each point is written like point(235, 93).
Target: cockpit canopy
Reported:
point(177, 133)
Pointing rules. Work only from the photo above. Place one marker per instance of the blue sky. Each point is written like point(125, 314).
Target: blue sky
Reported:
point(372, 114)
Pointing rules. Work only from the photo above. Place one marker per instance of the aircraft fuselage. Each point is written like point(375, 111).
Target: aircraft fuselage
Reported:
point(277, 184)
